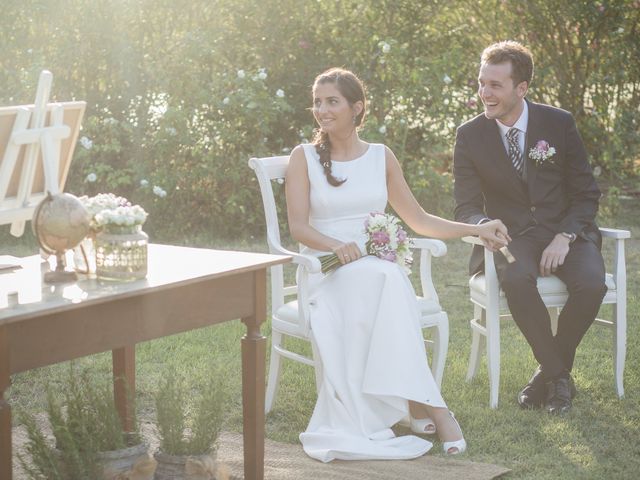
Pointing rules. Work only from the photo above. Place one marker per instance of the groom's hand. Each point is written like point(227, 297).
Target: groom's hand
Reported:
point(494, 234)
point(553, 256)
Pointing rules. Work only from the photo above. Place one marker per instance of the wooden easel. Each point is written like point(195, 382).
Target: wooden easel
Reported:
point(36, 148)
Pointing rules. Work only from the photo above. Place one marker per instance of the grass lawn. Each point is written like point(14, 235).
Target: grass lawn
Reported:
point(599, 438)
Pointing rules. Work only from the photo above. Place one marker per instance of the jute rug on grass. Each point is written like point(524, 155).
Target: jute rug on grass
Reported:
point(289, 462)
point(284, 461)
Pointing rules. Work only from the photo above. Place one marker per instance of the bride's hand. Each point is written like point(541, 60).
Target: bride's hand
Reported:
point(494, 234)
point(347, 252)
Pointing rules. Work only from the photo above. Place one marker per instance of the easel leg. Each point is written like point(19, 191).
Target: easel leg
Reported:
point(124, 384)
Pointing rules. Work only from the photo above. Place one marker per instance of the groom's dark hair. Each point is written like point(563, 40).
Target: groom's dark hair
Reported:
point(517, 54)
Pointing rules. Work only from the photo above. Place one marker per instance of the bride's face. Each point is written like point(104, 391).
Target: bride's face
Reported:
point(332, 110)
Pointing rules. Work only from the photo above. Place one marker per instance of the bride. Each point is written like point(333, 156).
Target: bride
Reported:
point(364, 316)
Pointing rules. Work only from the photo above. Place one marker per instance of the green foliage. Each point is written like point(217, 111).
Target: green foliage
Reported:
point(181, 93)
point(84, 423)
point(189, 423)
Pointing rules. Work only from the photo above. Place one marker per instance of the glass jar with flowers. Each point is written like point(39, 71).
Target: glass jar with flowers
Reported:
point(85, 254)
point(121, 245)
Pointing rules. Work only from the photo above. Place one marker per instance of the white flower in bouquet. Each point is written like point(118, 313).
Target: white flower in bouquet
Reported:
point(103, 201)
point(107, 208)
point(129, 215)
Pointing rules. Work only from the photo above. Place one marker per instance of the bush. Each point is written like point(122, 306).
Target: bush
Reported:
point(84, 424)
point(189, 423)
point(181, 94)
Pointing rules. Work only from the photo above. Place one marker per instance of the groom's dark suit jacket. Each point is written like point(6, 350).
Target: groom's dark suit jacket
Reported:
point(561, 194)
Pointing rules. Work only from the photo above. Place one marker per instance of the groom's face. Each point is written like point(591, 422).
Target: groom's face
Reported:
point(502, 99)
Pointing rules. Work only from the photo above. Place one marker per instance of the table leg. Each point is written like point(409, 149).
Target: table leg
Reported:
point(5, 408)
point(124, 384)
point(253, 383)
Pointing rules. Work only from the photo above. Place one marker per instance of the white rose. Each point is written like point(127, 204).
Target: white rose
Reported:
point(280, 93)
point(383, 129)
point(386, 47)
point(225, 101)
point(92, 177)
point(447, 79)
point(241, 74)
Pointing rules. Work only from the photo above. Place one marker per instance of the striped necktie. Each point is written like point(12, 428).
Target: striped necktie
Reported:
point(515, 155)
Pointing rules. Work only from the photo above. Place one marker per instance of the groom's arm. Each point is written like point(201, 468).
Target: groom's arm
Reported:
point(582, 190)
point(467, 187)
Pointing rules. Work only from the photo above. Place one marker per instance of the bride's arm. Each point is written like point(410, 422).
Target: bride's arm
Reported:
point(404, 203)
point(297, 193)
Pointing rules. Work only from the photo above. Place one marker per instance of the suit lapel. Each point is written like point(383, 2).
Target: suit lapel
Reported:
point(533, 135)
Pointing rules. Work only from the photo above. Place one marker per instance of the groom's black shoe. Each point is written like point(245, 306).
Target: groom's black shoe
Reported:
point(559, 394)
point(534, 394)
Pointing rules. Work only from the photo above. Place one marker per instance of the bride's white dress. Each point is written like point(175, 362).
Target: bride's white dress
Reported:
point(366, 324)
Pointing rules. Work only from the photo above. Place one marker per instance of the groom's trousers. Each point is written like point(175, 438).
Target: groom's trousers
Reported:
point(583, 272)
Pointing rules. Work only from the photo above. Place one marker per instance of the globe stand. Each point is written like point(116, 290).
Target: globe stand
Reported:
point(60, 274)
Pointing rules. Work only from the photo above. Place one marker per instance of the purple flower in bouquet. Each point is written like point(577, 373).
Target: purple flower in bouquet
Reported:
point(380, 238)
point(389, 256)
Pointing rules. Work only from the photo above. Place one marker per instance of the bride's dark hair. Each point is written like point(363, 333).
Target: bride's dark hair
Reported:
point(351, 88)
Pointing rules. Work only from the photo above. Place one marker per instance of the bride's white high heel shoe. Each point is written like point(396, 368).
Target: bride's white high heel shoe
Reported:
point(422, 426)
point(459, 445)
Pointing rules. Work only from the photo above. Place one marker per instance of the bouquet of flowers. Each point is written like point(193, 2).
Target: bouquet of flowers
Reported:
point(109, 209)
point(386, 239)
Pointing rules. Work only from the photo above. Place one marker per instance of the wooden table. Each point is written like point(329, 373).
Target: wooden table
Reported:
point(186, 288)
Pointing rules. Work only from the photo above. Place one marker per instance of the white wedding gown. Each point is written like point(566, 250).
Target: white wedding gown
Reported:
point(366, 324)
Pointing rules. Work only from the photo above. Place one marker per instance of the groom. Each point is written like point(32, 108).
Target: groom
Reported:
point(525, 163)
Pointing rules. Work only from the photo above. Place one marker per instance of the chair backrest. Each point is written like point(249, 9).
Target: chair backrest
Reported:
point(268, 169)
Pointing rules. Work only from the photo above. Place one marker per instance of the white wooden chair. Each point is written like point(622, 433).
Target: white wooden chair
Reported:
point(490, 304)
point(289, 304)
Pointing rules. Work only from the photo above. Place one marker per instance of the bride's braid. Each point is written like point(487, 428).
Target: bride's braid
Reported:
point(323, 147)
point(352, 89)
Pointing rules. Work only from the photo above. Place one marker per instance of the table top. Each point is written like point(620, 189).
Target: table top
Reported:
point(23, 294)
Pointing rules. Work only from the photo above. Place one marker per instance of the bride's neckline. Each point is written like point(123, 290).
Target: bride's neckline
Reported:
point(354, 159)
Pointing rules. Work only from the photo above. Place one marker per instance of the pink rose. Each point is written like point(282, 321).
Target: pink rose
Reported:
point(402, 235)
point(542, 146)
point(380, 238)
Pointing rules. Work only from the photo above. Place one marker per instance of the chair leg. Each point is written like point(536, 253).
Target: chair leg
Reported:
point(476, 346)
point(273, 381)
point(493, 353)
point(620, 345)
point(440, 349)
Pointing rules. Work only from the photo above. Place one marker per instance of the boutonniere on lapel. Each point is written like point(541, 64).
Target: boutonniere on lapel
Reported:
point(542, 152)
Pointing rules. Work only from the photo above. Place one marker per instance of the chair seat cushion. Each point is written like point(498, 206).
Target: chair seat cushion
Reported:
point(552, 289)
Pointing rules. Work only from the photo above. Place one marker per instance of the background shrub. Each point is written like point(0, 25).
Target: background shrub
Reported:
point(181, 93)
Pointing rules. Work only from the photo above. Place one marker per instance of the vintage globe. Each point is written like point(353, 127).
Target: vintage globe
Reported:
point(60, 222)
